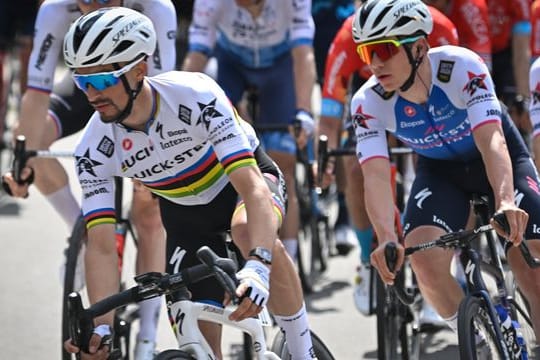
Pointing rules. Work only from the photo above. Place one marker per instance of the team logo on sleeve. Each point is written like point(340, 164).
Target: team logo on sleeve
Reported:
point(208, 112)
point(445, 70)
point(106, 147)
point(184, 114)
point(379, 90)
point(475, 82)
point(86, 164)
point(360, 119)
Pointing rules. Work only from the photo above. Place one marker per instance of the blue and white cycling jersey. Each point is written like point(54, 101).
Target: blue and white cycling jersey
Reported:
point(461, 99)
point(254, 43)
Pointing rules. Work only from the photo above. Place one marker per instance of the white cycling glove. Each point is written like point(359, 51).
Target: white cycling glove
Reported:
point(257, 276)
point(306, 120)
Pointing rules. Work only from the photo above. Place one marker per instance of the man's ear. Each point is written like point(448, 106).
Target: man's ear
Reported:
point(141, 70)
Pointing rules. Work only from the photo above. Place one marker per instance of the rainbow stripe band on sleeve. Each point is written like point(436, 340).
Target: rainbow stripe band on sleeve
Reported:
point(237, 160)
point(100, 216)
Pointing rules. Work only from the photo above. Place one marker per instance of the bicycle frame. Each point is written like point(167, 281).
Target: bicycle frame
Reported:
point(193, 342)
point(477, 287)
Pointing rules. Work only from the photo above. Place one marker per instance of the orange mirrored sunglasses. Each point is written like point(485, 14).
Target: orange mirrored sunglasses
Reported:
point(384, 49)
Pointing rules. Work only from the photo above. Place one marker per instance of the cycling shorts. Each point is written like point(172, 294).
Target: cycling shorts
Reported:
point(69, 107)
point(16, 18)
point(190, 227)
point(276, 96)
point(442, 190)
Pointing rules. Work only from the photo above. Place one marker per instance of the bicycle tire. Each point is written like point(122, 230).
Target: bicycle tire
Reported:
point(473, 316)
point(306, 238)
point(279, 347)
point(392, 333)
point(75, 242)
point(173, 354)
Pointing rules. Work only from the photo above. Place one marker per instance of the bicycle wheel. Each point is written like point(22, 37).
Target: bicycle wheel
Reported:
point(75, 242)
point(308, 232)
point(279, 347)
point(394, 340)
point(473, 320)
point(173, 354)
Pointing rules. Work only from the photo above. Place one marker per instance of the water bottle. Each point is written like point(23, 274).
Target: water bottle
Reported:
point(509, 332)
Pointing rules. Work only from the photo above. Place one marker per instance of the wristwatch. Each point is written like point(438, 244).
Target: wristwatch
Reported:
point(262, 254)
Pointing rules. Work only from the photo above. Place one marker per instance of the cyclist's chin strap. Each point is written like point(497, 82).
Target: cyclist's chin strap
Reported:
point(132, 94)
point(415, 63)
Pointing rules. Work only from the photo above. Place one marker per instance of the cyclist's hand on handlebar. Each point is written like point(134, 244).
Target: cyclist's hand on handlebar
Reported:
point(18, 189)
point(303, 127)
point(96, 352)
point(254, 287)
point(517, 222)
point(378, 260)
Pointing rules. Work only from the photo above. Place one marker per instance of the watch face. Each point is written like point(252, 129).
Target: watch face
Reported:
point(262, 253)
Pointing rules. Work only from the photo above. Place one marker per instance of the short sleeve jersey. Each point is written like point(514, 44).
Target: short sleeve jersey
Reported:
point(254, 43)
point(193, 140)
point(52, 23)
point(462, 98)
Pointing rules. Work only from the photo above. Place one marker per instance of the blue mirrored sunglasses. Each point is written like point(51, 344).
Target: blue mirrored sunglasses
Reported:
point(102, 2)
point(103, 80)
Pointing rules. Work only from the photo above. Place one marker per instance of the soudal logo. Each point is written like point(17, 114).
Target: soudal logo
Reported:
point(476, 81)
point(85, 164)
point(359, 118)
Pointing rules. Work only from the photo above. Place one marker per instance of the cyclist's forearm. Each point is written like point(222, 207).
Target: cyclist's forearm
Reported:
point(492, 145)
point(32, 117)
point(101, 264)
point(262, 221)
point(521, 57)
point(379, 198)
point(304, 75)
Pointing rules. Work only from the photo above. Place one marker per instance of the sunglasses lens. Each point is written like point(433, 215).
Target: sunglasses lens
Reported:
point(99, 82)
point(383, 50)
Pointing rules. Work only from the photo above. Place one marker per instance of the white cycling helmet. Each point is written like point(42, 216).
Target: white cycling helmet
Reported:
point(108, 36)
point(377, 19)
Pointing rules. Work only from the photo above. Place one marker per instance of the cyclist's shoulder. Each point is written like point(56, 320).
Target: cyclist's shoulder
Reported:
point(455, 57)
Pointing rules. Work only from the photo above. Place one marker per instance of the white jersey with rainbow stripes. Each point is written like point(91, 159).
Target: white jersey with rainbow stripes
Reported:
point(193, 140)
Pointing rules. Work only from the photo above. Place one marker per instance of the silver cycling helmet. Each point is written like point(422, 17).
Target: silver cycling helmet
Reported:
point(377, 19)
point(108, 36)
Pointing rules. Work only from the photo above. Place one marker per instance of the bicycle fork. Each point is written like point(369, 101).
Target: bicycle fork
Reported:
point(477, 288)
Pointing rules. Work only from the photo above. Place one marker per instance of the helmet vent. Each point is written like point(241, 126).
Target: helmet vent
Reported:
point(92, 61)
point(402, 21)
point(97, 41)
point(381, 16)
point(121, 47)
point(110, 23)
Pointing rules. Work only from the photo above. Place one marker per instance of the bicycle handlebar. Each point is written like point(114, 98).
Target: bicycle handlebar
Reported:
point(453, 240)
point(148, 286)
point(21, 156)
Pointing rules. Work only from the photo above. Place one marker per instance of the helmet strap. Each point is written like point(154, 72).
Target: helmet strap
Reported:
point(415, 63)
point(132, 95)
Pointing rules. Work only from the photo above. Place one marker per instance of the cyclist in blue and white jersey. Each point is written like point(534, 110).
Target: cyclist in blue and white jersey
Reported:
point(50, 111)
point(268, 45)
point(442, 103)
point(179, 135)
